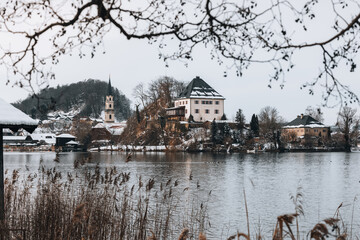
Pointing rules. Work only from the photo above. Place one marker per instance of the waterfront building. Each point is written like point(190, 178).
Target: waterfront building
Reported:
point(304, 126)
point(198, 102)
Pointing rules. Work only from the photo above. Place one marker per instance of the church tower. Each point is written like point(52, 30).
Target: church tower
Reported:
point(109, 105)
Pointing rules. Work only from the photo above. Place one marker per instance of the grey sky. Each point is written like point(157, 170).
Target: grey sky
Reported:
point(134, 61)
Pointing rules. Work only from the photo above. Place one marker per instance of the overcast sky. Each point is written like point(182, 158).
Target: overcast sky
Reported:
point(134, 61)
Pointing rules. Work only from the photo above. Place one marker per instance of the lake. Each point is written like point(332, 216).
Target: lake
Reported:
point(268, 179)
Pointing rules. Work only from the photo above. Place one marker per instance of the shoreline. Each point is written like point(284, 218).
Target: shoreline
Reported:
point(219, 149)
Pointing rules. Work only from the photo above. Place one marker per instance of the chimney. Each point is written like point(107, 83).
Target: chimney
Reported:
point(302, 115)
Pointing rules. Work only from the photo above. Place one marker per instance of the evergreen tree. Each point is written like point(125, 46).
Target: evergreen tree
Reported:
point(138, 118)
point(191, 118)
point(214, 132)
point(240, 120)
point(223, 117)
point(227, 130)
point(226, 136)
point(254, 125)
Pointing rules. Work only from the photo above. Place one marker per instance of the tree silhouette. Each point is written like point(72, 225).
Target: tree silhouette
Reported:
point(248, 32)
point(348, 123)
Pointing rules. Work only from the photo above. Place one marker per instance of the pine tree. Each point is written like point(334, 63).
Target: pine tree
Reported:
point(191, 118)
point(214, 132)
point(227, 130)
point(254, 125)
point(240, 120)
point(138, 118)
point(223, 117)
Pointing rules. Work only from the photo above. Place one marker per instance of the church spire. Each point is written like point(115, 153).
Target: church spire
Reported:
point(109, 105)
point(109, 93)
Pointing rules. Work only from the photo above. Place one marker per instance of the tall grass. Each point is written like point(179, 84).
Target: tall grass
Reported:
point(98, 205)
point(109, 204)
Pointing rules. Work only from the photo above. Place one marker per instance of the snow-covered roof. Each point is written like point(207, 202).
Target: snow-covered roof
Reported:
point(13, 118)
point(49, 138)
point(116, 131)
point(65, 135)
point(198, 88)
point(99, 125)
point(72, 143)
point(304, 121)
point(14, 138)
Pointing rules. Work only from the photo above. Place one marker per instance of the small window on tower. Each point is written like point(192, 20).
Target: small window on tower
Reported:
point(110, 106)
point(110, 116)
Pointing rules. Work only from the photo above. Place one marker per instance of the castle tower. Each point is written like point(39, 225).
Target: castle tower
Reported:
point(109, 106)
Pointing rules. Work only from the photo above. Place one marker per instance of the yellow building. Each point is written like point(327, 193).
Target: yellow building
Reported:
point(305, 126)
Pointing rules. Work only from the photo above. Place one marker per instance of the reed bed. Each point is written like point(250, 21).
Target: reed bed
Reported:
point(98, 205)
point(109, 204)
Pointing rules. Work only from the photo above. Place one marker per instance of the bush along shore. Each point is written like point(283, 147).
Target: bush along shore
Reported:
point(108, 204)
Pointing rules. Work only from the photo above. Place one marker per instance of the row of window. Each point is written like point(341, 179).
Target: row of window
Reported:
point(207, 102)
point(197, 102)
point(207, 111)
point(307, 130)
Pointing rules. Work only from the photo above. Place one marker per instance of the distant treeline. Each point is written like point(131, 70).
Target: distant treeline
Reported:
point(89, 95)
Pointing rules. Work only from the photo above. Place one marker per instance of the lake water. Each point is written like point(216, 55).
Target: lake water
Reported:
point(327, 179)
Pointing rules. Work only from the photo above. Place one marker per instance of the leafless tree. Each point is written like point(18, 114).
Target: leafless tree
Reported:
point(348, 123)
point(165, 88)
point(269, 119)
point(246, 31)
point(140, 94)
point(316, 113)
point(270, 123)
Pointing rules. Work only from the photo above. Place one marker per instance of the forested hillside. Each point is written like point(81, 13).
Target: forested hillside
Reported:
point(88, 96)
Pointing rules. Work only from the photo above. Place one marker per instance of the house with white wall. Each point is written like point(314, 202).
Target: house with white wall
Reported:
point(200, 101)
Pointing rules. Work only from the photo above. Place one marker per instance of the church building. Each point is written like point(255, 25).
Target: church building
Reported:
point(109, 106)
point(198, 101)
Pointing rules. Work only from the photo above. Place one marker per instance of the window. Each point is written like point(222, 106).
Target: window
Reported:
point(109, 105)
point(216, 111)
point(217, 102)
point(186, 102)
point(210, 102)
point(110, 116)
point(196, 110)
point(196, 101)
point(185, 110)
point(203, 102)
point(324, 130)
point(207, 111)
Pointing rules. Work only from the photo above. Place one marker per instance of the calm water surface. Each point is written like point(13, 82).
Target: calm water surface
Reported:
point(327, 179)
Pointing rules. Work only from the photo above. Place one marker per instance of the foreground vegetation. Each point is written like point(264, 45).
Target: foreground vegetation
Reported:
point(118, 205)
point(97, 205)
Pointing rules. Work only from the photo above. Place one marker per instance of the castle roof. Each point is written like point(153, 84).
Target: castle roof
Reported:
point(198, 88)
point(304, 121)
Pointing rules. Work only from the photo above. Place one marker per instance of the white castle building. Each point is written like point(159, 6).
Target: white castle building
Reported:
point(198, 100)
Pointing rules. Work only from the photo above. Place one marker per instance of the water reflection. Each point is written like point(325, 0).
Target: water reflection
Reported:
point(327, 180)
